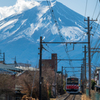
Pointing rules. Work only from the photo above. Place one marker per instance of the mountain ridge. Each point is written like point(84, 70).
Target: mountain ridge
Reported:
point(20, 33)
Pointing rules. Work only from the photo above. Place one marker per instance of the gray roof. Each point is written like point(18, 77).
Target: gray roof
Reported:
point(97, 68)
point(3, 71)
point(9, 67)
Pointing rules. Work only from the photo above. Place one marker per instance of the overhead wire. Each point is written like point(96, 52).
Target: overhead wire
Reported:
point(97, 56)
point(53, 16)
point(95, 46)
point(82, 36)
point(51, 52)
point(96, 27)
point(56, 24)
point(94, 34)
point(98, 22)
point(93, 23)
point(85, 11)
point(92, 15)
point(95, 8)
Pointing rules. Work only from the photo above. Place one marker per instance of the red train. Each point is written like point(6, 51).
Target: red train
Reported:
point(72, 85)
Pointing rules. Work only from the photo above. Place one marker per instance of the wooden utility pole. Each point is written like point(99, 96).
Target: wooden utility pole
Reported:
point(55, 80)
point(89, 52)
point(3, 58)
point(85, 63)
point(89, 57)
point(62, 81)
point(83, 70)
point(40, 70)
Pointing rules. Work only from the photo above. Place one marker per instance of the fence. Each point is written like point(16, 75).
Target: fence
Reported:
point(94, 95)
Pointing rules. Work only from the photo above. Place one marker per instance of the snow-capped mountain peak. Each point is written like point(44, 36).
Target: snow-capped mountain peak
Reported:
point(22, 24)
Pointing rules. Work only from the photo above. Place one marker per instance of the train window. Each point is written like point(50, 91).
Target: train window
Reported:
point(72, 81)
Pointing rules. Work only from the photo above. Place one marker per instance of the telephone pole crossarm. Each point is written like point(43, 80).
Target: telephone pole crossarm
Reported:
point(71, 59)
point(66, 42)
point(71, 67)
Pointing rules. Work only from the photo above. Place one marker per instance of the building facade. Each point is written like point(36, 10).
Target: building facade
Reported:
point(50, 63)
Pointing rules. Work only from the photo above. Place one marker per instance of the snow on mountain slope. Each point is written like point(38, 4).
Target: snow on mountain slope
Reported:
point(27, 20)
point(19, 7)
point(38, 17)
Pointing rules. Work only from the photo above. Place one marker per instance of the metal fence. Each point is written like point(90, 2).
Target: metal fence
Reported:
point(94, 96)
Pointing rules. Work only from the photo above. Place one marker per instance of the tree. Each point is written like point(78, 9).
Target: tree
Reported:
point(7, 84)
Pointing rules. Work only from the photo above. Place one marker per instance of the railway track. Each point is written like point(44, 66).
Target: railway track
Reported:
point(70, 97)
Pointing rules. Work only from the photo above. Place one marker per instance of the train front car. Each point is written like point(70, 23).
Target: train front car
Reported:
point(72, 85)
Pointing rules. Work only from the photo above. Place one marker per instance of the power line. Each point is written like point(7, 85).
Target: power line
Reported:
point(95, 47)
point(97, 27)
point(50, 52)
point(50, 48)
point(98, 13)
point(54, 18)
point(95, 8)
point(56, 23)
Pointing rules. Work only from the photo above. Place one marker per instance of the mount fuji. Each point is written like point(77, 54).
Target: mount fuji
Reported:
point(22, 24)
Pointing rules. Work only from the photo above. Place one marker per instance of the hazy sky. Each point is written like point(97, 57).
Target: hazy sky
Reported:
point(76, 5)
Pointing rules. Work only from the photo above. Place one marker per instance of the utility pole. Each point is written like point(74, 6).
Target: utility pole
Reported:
point(89, 52)
point(65, 74)
point(40, 70)
point(55, 80)
point(82, 77)
point(62, 81)
point(15, 62)
point(85, 63)
point(3, 58)
point(65, 78)
point(89, 55)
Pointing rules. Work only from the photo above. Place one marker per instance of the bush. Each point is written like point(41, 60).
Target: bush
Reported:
point(93, 84)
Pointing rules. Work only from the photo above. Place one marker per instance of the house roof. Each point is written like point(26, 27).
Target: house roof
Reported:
point(98, 68)
point(3, 71)
point(28, 68)
point(9, 67)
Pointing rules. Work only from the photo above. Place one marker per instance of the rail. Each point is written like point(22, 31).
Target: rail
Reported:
point(70, 97)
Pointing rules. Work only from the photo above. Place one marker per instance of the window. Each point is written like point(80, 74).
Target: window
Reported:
point(72, 81)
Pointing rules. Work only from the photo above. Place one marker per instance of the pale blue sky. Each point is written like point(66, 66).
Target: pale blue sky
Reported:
point(76, 5)
point(7, 2)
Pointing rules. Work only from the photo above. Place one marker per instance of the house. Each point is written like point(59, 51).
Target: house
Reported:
point(8, 69)
point(97, 79)
point(27, 68)
point(51, 63)
point(97, 75)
